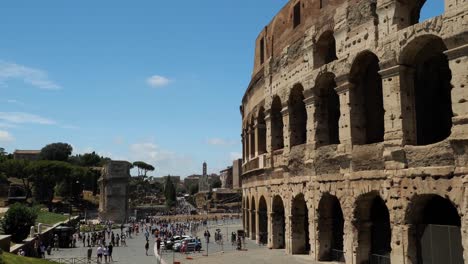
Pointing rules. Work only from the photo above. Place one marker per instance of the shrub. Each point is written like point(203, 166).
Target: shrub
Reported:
point(18, 221)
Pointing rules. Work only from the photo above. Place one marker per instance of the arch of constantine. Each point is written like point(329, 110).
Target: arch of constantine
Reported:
point(355, 132)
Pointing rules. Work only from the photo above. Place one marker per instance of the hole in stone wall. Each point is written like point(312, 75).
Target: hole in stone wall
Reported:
point(331, 224)
point(368, 100)
point(279, 226)
point(327, 110)
point(277, 141)
point(263, 221)
point(300, 226)
point(325, 49)
point(297, 116)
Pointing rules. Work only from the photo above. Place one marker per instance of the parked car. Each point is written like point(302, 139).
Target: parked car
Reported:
point(176, 241)
point(188, 245)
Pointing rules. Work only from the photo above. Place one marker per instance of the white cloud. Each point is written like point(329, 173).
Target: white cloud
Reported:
point(235, 155)
point(7, 125)
point(5, 136)
point(220, 142)
point(71, 127)
point(158, 81)
point(165, 161)
point(35, 77)
point(24, 118)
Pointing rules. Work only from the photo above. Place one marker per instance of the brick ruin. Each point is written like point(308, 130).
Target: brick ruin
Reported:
point(355, 132)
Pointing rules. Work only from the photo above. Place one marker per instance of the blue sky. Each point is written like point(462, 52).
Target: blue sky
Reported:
point(158, 81)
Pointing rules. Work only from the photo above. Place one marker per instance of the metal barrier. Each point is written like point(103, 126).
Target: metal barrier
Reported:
point(380, 259)
point(83, 260)
point(337, 255)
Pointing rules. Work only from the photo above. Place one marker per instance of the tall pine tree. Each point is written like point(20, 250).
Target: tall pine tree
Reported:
point(170, 192)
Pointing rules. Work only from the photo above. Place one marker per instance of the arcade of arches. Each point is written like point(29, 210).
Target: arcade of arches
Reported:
point(355, 134)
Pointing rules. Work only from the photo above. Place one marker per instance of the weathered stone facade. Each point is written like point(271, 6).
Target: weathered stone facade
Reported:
point(113, 186)
point(355, 132)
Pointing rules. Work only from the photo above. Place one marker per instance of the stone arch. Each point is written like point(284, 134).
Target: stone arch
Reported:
point(426, 79)
point(253, 220)
point(434, 230)
point(261, 126)
point(297, 116)
point(372, 221)
point(300, 243)
point(330, 229)
point(327, 110)
point(277, 139)
point(278, 223)
point(410, 10)
point(252, 137)
point(325, 49)
point(367, 112)
point(262, 221)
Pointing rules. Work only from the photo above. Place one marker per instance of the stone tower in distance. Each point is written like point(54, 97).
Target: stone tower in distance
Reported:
point(203, 184)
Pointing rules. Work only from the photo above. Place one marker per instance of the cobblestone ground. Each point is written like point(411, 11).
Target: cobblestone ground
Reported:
point(223, 253)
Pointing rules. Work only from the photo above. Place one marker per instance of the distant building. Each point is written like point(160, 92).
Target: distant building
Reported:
point(203, 183)
point(226, 178)
point(236, 174)
point(26, 154)
point(191, 180)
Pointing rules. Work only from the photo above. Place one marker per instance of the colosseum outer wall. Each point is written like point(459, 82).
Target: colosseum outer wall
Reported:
point(354, 132)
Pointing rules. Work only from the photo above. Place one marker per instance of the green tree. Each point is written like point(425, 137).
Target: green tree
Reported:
point(45, 175)
point(56, 151)
point(90, 159)
point(215, 183)
point(17, 169)
point(170, 192)
point(18, 221)
point(193, 189)
point(143, 167)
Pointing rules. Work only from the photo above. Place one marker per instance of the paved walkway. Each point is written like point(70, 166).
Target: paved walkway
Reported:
point(224, 253)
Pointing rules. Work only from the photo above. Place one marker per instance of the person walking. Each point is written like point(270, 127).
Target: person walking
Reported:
point(99, 254)
point(110, 249)
point(146, 247)
point(105, 253)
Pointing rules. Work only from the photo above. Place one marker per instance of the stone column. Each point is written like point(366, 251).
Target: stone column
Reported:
point(247, 222)
point(257, 226)
point(270, 229)
point(310, 104)
point(256, 134)
point(346, 119)
point(268, 130)
point(288, 240)
point(458, 59)
point(243, 147)
point(286, 131)
point(253, 236)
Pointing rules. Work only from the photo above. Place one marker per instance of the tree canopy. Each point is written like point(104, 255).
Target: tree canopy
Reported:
point(170, 192)
point(18, 221)
point(56, 151)
point(17, 169)
point(143, 167)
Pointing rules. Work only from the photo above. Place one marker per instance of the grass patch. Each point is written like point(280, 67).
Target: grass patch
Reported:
point(49, 218)
point(15, 259)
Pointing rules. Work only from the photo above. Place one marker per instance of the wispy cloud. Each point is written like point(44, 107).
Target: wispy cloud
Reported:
point(13, 101)
point(6, 137)
point(71, 127)
point(35, 77)
point(7, 125)
point(165, 161)
point(25, 118)
point(220, 142)
point(157, 81)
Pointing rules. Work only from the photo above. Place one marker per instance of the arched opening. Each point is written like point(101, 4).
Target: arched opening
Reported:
point(261, 131)
point(297, 116)
point(330, 227)
point(253, 227)
point(327, 110)
point(374, 232)
point(427, 81)
point(252, 138)
point(325, 49)
point(247, 217)
point(366, 100)
point(247, 143)
point(279, 226)
point(300, 226)
point(435, 234)
point(277, 140)
point(262, 221)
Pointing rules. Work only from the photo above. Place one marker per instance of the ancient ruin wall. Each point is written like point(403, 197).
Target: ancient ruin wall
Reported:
point(382, 146)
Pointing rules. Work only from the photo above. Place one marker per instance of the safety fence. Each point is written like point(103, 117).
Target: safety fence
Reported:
point(83, 260)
